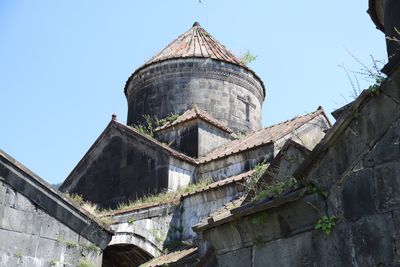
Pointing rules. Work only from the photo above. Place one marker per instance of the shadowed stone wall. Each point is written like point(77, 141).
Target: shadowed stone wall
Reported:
point(182, 137)
point(119, 169)
point(194, 138)
point(30, 237)
point(358, 164)
point(39, 227)
point(159, 227)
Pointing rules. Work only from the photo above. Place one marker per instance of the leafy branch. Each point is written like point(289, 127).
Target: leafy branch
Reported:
point(247, 57)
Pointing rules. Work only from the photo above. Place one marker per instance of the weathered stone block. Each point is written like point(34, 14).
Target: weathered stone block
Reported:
point(334, 249)
point(9, 196)
point(373, 241)
point(375, 117)
point(282, 222)
point(240, 257)
point(294, 251)
point(11, 260)
point(387, 179)
point(50, 249)
point(224, 238)
point(20, 244)
point(358, 194)
point(387, 149)
point(263, 226)
point(396, 235)
point(300, 215)
point(392, 87)
point(19, 221)
point(339, 158)
point(22, 203)
point(51, 229)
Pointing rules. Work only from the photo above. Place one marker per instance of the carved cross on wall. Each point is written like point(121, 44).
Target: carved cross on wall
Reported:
point(246, 100)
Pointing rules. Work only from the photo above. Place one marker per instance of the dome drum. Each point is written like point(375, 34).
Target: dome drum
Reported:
point(230, 93)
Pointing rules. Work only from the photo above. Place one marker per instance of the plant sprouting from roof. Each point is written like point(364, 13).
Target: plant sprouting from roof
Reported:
point(247, 57)
point(146, 127)
point(168, 119)
point(277, 188)
point(373, 75)
point(258, 172)
point(149, 123)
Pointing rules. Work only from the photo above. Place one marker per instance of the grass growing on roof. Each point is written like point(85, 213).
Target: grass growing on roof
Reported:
point(164, 196)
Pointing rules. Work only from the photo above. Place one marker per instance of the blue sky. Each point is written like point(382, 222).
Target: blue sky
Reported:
point(63, 64)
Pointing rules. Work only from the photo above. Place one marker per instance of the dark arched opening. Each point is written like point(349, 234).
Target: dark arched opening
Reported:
point(124, 256)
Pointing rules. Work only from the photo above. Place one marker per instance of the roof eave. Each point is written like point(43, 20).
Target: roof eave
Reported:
point(195, 57)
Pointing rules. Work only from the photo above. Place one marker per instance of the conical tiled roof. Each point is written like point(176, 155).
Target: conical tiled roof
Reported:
point(196, 42)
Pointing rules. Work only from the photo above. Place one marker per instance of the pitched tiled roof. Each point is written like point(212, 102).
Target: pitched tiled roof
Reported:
point(173, 257)
point(261, 137)
point(194, 113)
point(196, 42)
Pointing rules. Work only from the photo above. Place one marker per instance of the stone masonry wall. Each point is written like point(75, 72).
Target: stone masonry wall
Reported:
point(119, 168)
point(174, 86)
point(210, 138)
point(32, 238)
point(358, 164)
point(182, 137)
point(157, 228)
point(235, 164)
point(199, 206)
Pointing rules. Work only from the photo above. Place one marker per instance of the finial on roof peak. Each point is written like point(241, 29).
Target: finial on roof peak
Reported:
point(196, 24)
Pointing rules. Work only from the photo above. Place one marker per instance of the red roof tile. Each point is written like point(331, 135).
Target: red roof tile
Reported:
point(264, 136)
point(196, 42)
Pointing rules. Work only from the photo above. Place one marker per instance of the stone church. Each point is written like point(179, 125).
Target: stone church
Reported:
point(218, 99)
point(301, 192)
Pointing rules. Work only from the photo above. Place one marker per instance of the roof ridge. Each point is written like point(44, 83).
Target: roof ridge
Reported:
point(198, 113)
point(155, 141)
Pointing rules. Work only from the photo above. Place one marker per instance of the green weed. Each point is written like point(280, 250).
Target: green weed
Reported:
point(326, 224)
